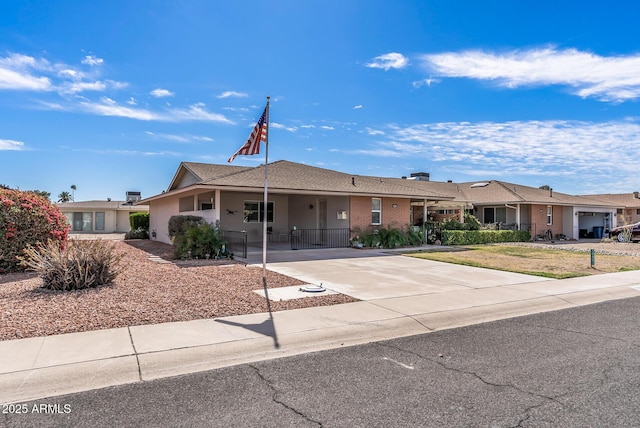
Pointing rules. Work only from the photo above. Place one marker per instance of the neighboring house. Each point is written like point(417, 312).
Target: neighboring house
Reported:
point(299, 196)
point(628, 211)
point(100, 216)
point(540, 209)
point(307, 197)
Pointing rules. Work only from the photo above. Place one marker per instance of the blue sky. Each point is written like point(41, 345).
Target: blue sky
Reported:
point(112, 95)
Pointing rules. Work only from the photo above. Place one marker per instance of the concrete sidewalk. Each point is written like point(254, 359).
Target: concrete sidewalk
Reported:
point(399, 296)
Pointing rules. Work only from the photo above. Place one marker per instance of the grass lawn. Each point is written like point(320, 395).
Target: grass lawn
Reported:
point(557, 264)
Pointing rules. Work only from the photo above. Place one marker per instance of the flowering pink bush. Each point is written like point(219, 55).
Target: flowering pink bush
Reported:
point(26, 219)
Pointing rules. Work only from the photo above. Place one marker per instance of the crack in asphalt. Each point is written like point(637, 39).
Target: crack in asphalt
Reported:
point(485, 381)
point(275, 399)
point(583, 333)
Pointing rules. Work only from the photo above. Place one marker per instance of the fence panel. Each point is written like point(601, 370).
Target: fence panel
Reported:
point(304, 239)
point(236, 242)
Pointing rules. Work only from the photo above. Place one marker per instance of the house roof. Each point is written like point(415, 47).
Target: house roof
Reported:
point(626, 200)
point(291, 177)
point(202, 171)
point(101, 205)
point(285, 176)
point(502, 192)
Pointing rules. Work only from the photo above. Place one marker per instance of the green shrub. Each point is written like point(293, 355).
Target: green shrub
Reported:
point(470, 237)
point(139, 233)
point(471, 222)
point(415, 236)
point(200, 241)
point(388, 237)
point(27, 218)
point(139, 221)
point(81, 264)
point(178, 224)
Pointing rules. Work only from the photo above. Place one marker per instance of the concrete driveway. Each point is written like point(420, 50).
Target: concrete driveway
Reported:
point(371, 275)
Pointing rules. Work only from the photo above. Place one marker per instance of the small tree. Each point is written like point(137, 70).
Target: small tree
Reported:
point(27, 218)
point(64, 197)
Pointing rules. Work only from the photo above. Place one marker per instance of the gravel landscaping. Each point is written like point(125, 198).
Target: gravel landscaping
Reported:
point(148, 291)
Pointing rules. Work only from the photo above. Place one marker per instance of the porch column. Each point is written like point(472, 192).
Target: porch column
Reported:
point(518, 216)
point(424, 211)
point(462, 207)
point(218, 208)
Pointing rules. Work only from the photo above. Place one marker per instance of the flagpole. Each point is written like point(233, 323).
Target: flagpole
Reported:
point(264, 213)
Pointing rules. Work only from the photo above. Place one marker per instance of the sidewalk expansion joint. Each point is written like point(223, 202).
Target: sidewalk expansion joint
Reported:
point(135, 352)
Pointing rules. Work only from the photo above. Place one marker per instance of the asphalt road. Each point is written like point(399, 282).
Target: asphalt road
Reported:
point(571, 368)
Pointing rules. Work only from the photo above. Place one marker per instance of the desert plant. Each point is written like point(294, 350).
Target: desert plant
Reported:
point(81, 264)
point(27, 218)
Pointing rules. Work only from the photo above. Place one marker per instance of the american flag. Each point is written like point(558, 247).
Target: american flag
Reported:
point(259, 133)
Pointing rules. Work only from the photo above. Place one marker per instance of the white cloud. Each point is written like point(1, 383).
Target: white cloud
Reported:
point(14, 80)
point(359, 106)
point(160, 93)
point(328, 128)
point(196, 112)
point(307, 126)
point(23, 72)
point(590, 152)
point(92, 60)
point(132, 101)
point(179, 138)
point(276, 125)
point(11, 145)
point(108, 109)
point(234, 94)
point(388, 61)
point(606, 78)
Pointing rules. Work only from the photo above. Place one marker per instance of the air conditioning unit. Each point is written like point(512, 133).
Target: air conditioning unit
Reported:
point(133, 197)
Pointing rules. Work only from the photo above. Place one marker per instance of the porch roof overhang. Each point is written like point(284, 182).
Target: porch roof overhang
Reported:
point(280, 191)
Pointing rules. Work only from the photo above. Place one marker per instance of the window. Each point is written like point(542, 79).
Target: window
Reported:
point(99, 221)
point(185, 204)
point(206, 206)
point(82, 221)
point(376, 211)
point(638, 211)
point(253, 212)
point(495, 215)
point(549, 215)
point(489, 215)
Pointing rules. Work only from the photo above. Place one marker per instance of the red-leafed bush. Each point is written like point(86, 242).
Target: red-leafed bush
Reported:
point(27, 218)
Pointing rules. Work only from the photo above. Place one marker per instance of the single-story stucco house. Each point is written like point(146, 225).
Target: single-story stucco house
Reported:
point(100, 216)
point(304, 197)
point(299, 197)
point(628, 204)
point(540, 209)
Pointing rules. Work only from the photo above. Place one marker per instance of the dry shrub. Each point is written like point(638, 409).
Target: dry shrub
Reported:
point(81, 264)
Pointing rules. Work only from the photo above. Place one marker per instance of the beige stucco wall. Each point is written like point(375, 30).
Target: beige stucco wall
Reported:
point(159, 213)
point(232, 213)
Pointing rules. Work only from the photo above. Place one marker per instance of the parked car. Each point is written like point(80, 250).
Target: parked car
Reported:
point(629, 232)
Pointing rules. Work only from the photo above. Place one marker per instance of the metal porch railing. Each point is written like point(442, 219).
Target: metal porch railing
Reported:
point(304, 239)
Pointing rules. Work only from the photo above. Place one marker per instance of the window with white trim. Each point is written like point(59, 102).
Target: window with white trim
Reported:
point(376, 211)
point(253, 212)
point(549, 215)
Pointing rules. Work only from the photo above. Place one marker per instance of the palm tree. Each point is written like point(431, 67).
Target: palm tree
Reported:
point(64, 197)
point(73, 189)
